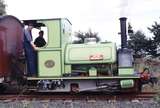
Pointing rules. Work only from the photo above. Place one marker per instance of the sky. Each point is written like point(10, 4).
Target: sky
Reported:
point(100, 16)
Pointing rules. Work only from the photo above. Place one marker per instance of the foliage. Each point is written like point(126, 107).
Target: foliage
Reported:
point(82, 35)
point(143, 46)
point(151, 47)
point(155, 30)
point(137, 43)
point(2, 7)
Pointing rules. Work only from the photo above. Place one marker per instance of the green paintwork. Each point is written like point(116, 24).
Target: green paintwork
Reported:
point(65, 39)
point(92, 71)
point(126, 71)
point(53, 71)
point(80, 53)
point(67, 68)
point(65, 32)
point(49, 49)
point(127, 83)
point(53, 27)
point(59, 34)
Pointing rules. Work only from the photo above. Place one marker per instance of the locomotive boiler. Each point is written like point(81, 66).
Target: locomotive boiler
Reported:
point(63, 66)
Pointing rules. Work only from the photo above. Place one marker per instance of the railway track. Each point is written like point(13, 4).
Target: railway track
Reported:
point(84, 96)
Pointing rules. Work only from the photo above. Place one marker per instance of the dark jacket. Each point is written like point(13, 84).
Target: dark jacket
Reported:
point(39, 41)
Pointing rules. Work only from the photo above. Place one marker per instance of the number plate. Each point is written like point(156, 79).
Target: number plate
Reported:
point(96, 57)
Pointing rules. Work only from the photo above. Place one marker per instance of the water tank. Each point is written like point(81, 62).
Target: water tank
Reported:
point(11, 34)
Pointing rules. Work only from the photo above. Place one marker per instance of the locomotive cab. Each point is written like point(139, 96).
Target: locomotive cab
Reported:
point(50, 59)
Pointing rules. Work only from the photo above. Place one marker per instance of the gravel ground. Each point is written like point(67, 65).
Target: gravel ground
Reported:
point(78, 104)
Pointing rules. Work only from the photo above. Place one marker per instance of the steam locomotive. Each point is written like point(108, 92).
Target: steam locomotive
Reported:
point(63, 66)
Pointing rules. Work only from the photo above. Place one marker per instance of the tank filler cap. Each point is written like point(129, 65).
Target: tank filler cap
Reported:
point(90, 40)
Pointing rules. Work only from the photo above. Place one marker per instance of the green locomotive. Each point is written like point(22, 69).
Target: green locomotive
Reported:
point(65, 67)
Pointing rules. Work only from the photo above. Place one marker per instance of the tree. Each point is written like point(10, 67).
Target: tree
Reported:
point(83, 35)
point(137, 43)
point(2, 7)
point(141, 45)
point(151, 47)
point(155, 30)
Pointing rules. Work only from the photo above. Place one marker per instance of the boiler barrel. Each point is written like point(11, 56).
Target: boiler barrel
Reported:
point(11, 34)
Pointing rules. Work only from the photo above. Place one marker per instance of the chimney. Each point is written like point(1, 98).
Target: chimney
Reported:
point(123, 32)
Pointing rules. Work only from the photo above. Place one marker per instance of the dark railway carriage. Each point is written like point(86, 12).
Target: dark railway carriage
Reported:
point(11, 31)
point(63, 66)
